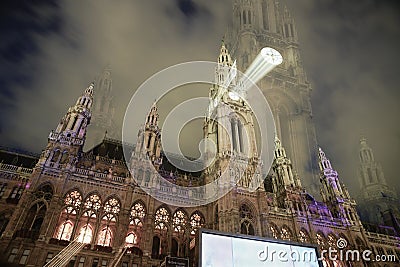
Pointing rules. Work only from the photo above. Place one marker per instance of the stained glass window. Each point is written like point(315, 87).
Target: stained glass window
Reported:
point(137, 214)
point(320, 239)
point(286, 234)
point(179, 221)
point(93, 202)
point(112, 206)
point(196, 221)
point(162, 218)
point(332, 240)
point(303, 237)
point(274, 231)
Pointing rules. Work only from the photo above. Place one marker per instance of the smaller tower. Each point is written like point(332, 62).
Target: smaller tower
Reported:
point(375, 196)
point(149, 138)
point(286, 184)
point(66, 142)
point(283, 167)
point(334, 194)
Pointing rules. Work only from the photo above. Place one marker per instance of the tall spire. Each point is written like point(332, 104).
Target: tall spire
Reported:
point(224, 57)
point(66, 142)
point(74, 123)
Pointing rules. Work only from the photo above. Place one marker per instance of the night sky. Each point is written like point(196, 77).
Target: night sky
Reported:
point(51, 50)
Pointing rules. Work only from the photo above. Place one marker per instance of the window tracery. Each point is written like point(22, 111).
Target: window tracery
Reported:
point(162, 219)
point(196, 221)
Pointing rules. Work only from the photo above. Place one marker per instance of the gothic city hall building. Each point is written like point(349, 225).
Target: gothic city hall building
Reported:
point(78, 204)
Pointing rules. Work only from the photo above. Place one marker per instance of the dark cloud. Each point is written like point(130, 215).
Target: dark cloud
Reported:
point(350, 52)
point(50, 51)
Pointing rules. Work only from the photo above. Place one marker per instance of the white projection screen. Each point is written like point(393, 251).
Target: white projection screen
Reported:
point(217, 249)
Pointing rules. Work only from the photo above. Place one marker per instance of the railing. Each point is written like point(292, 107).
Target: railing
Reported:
point(13, 168)
point(100, 175)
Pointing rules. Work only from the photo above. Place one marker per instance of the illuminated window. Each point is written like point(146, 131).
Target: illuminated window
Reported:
point(286, 234)
point(196, 221)
point(303, 237)
point(93, 202)
point(274, 231)
point(179, 221)
point(332, 240)
point(85, 234)
point(65, 231)
point(162, 218)
point(320, 239)
point(137, 214)
point(74, 199)
point(112, 206)
point(131, 239)
point(105, 236)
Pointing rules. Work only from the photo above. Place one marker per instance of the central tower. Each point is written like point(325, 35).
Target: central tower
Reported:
point(268, 23)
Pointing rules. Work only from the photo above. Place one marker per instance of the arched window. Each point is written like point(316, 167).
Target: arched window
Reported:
point(65, 231)
point(196, 221)
point(245, 212)
point(85, 234)
point(332, 240)
point(162, 219)
point(74, 199)
point(131, 239)
point(156, 246)
point(303, 236)
point(112, 206)
point(72, 202)
point(179, 221)
point(56, 155)
point(92, 205)
point(246, 227)
point(138, 212)
point(320, 239)
point(286, 234)
point(108, 222)
point(274, 231)
point(93, 202)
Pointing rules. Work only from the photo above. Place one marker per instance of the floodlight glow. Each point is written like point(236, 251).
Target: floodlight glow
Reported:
point(266, 60)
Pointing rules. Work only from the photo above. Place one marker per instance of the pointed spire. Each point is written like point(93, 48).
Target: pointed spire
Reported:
point(224, 56)
point(366, 153)
point(324, 162)
point(280, 151)
point(152, 117)
point(89, 90)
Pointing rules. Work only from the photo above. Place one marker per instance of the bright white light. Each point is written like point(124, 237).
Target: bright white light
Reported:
point(272, 56)
point(234, 96)
point(266, 60)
